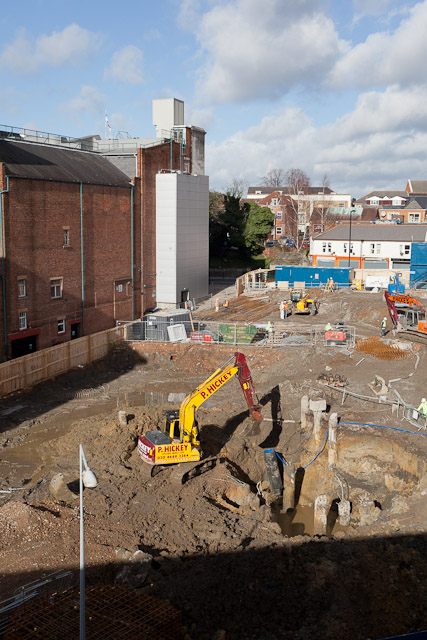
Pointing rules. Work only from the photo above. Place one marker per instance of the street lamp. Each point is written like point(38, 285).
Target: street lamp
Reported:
point(88, 479)
point(349, 241)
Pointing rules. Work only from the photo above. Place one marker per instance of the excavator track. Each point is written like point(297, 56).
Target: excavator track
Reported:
point(185, 471)
point(413, 336)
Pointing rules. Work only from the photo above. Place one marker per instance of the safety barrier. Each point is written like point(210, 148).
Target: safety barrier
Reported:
point(207, 332)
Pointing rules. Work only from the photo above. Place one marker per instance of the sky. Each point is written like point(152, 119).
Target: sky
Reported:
point(337, 88)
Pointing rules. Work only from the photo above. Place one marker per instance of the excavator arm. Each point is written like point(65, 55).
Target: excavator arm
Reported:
point(236, 365)
point(410, 303)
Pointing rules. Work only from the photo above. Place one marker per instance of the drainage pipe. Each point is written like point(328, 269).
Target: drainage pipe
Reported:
point(81, 253)
point(3, 275)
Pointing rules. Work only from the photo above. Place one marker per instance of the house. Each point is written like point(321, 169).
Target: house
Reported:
point(80, 235)
point(367, 246)
point(299, 207)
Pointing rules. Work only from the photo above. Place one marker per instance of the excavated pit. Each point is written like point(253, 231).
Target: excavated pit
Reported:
point(222, 541)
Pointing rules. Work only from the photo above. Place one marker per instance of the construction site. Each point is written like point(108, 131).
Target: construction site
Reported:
point(290, 506)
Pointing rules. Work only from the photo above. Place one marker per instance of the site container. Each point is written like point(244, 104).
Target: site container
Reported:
point(314, 276)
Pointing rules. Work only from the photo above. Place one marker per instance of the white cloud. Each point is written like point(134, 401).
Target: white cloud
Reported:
point(89, 100)
point(371, 7)
point(203, 118)
point(387, 58)
point(257, 51)
point(69, 46)
point(126, 65)
point(189, 14)
point(380, 144)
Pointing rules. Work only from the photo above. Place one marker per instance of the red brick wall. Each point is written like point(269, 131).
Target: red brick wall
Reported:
point(35, 213)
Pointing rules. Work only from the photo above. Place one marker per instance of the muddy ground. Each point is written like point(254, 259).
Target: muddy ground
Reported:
point(216, 547)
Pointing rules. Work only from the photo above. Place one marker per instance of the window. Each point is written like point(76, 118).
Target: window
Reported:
point(61, 325)
point(414, 217)
point(279, 215)
point(345, 247)
point(372, 248)
point(407, 249)
point(329, 247)
point(351, 248)
point(56, 288)
point(22, 287)
point(65, 237)
point(324, 247)
point(278, 231)
point(22, 320)
point(274, 202)
point(378, 249)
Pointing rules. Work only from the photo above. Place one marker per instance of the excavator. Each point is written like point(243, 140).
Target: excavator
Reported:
point(302, 303)
point(408, 316)
point(179, 442)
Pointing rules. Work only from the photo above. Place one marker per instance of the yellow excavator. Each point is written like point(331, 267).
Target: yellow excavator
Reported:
point(302, 303)
point(179, 442)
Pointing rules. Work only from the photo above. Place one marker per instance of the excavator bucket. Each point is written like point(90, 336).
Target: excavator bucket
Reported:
point(256, 414)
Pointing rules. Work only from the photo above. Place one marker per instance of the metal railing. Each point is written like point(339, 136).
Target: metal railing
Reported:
point(57, 581)
point(282, 334)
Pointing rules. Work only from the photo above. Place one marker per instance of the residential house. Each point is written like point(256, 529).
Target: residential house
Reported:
point(373, 246)
point(300, 206)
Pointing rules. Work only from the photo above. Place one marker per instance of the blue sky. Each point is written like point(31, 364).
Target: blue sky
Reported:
point(334, 87)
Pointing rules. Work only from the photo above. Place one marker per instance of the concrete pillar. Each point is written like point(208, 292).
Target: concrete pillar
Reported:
point(344, 513)
point(321, 508)
point(288, 498)
point(368, 512)
point(123, 418)
point(332, 441)
point(317, 407)
point(304, 411)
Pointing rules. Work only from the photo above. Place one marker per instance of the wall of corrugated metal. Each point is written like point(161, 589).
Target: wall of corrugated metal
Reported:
point(313, 276)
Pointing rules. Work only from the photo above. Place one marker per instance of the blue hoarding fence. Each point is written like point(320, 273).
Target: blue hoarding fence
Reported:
point(313, 276)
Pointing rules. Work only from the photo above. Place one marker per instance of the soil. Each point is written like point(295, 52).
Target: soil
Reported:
point(214, 547)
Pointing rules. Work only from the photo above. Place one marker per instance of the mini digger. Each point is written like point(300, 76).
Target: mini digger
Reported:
point(303, 304)
point(180, 440)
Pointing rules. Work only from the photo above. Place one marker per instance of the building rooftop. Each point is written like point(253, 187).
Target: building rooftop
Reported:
point(283, 190)
point(46, 162)
point(377, 232)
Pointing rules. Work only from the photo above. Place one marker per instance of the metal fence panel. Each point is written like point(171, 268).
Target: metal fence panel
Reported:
point(236, 333)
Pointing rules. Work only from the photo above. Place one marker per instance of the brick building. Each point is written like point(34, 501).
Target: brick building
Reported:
point(67, 220)
point(78, 234)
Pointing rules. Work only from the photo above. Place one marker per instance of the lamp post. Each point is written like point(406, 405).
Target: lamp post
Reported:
point(349, 241)
point(88, 479)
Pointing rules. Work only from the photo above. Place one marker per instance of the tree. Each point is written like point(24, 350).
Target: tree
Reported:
point(298, 186)
point(274, 178)
point(323, 209)
point(259, 223)
point(236, 188)
point(227, 224)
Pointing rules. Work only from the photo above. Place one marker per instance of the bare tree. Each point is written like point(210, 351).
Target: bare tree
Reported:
point(323, 208)
point(298, 186)
point(274, 178)
point(236, 188)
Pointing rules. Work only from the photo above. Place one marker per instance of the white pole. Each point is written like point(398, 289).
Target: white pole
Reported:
point(82, 553)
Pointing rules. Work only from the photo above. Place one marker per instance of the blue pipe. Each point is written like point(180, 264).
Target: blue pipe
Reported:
point(3, 275)
point(81, 252)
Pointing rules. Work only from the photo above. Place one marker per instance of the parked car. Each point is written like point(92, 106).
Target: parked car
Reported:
point(270, 243)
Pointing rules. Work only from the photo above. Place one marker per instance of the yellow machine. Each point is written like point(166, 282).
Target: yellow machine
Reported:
point(302, 304)
point(357, 285)
point(179, 442)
